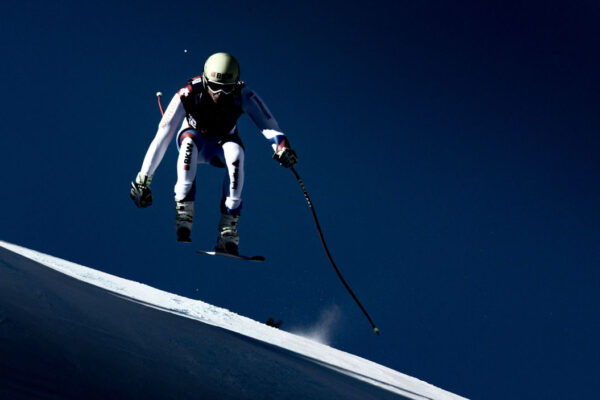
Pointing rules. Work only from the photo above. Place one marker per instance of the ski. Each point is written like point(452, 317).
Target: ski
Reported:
point(239, 257)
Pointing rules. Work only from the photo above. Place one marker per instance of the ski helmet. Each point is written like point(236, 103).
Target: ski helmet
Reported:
point(222, 68)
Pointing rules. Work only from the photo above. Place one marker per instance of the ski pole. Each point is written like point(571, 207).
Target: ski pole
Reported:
point(337, 271)
point(158, 94)
point(312, 209)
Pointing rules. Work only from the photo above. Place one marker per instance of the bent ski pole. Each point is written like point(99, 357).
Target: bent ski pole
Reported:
point(337, 271)
point(158, 94)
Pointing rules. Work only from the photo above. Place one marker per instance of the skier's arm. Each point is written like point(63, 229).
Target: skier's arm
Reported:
point(173, 117)
point(262, 117)
point(170, 122)
point(264, 120)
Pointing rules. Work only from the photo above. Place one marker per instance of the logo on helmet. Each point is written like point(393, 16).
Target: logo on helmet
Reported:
point(218, 75)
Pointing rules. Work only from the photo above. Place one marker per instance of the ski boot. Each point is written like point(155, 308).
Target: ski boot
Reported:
point(228, 239)
point(184, 215)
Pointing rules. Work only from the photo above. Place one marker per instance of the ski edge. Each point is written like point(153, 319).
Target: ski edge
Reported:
point(238, 257)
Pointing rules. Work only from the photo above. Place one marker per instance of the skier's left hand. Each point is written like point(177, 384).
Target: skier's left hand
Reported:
point(286, 157)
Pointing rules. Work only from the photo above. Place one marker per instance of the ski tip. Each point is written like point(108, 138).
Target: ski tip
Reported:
point(376, 330)
point(158, 94)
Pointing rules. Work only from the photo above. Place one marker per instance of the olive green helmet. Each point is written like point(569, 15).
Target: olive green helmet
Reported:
point(222, 68)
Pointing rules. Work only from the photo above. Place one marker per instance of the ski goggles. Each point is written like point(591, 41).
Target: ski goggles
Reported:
point(217, 87)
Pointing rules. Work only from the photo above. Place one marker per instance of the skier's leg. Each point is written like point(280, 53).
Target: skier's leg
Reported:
point(187, 164)
point(231, 202)
point(185, 188)
point(234, 179)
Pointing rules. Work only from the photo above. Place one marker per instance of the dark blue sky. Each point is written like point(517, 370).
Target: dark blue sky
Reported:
point(451, 152)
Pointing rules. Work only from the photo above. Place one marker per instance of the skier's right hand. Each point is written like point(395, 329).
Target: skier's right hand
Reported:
point(140, 191)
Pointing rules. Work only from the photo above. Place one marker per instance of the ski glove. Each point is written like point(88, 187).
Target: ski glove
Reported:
point(286, 157)
point(140, 191)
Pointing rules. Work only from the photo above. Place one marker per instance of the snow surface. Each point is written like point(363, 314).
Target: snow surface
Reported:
point(332, 359)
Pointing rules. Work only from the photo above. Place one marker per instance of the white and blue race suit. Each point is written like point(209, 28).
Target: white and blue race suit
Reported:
point(207, 133)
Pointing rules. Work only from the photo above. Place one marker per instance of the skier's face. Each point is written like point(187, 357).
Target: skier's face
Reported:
point(216, 97)
point(219, 91)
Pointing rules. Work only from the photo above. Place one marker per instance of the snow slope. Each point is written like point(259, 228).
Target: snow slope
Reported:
point(102, 336)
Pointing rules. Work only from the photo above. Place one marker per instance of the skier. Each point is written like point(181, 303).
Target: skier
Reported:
point(204, 115)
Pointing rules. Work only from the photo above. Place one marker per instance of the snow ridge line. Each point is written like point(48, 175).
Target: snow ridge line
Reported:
point(327, 356)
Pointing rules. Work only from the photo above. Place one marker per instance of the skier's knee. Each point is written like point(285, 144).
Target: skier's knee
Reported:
point(187, 135)
point(187, 138)
point(188, 154)
point(234, 154)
